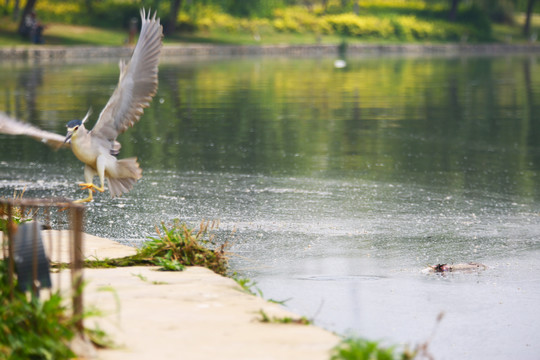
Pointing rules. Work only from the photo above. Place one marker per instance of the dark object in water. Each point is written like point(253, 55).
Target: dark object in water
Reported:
point(443, 268)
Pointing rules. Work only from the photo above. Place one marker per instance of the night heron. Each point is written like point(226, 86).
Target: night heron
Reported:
point(98, 147)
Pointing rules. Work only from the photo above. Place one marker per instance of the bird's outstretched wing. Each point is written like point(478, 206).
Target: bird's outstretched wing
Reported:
point(12, 126)
point(138, 83)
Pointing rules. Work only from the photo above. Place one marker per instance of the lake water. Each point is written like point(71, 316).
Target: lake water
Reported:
point(341, 184)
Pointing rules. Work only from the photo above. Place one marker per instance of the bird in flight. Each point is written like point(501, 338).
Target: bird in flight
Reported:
point(98, 148)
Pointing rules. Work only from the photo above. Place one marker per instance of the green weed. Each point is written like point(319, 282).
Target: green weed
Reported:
point(175, 247)
point(362, 349)
point(249, 286)
point(17, 214)
point(31, 328)
point(145, 279)
point(265, 318)
point(167, 263)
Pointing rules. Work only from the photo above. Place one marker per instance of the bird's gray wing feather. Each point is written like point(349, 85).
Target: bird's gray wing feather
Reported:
point(12, 126)
point(137, 85)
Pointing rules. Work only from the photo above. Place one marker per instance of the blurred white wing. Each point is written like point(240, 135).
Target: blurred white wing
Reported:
point(12, 126)
point(137, 85)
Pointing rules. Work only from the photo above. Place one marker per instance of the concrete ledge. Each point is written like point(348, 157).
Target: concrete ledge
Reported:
point(52, 53)
point(57, 246)
point(193, 314)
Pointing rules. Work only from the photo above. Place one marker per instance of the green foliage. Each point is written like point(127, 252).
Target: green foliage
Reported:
point(179, 246)
point(167, 263)
point(175, 247)
point(501, 11)
point(378, 19)
point(363, 26)
point(353, 348)
point(33, 329)
point(99, 338)
point(106, 13)
point(390, 26)
point(361, 349)
point(297, 19)
point(265, 318)
point(17, 215)
point(251, 8)
point(249, 286)
point(94, 264)
point(393, 20)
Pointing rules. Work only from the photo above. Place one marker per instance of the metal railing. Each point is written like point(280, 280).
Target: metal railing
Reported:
point(30, 246)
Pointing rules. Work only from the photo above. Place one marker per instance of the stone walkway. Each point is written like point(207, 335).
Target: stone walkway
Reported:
point(193, 314)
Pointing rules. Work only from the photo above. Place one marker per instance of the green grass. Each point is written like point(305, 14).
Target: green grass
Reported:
point(64, 34)
point(248, 286)
point(243, 38)
point(354, 348)
point(61, 34)
point(175, 247)
point(265, 318)
point(361, 349)
point(145, 279)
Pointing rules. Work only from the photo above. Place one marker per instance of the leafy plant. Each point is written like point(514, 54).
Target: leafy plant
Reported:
point(179, 245)
point(175, 247)
point(169, 264)
point(31, 328)
point(362, 349)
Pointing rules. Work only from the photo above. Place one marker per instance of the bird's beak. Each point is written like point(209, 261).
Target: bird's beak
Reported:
point(68, 135)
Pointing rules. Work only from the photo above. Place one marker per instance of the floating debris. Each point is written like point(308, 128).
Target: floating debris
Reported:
point(443, 268)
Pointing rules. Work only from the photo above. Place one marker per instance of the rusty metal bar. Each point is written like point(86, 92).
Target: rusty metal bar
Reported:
point(58, 239)
point(47, 216)
point(77, 265)
point(58, 203)
point(11, 263)
point(35, 290)
point(3, 212)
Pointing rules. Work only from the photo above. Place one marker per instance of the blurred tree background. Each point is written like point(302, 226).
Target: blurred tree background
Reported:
point(386, 20)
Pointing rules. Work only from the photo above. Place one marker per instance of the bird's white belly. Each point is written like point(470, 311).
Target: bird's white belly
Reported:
point(87, 157)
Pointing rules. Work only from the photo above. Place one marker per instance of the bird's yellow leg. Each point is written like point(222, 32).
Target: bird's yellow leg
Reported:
point(88, 199)
point(89, 173)
point(91, 187)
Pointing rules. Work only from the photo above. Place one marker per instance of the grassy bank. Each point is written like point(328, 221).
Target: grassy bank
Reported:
point(68, 35)
point(380, 21)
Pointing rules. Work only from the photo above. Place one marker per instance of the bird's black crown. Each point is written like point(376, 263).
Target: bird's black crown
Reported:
point(73, 123)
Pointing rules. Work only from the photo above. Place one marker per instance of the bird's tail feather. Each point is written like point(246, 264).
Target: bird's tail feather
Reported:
point(128, 174)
